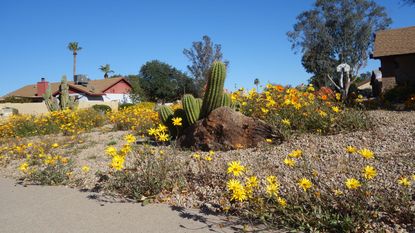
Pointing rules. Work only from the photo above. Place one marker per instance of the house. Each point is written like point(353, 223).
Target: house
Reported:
point(395, 49)
point(85, 90)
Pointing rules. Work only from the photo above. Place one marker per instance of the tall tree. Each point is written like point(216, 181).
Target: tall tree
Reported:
point(137, 93)
point(162, 82)
point(335, 32)
point(201, 55)
point(74, 48)
point(106, 69)
point(256, 82)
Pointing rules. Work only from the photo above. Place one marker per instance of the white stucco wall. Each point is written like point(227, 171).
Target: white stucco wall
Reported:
point(121, 98)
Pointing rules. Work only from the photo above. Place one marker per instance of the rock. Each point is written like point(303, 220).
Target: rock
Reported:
point(225, 129)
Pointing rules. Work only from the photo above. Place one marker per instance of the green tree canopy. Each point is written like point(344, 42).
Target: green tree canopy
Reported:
point(202, 55)
point(334, 32)
point(137, 93)
point(162, 82)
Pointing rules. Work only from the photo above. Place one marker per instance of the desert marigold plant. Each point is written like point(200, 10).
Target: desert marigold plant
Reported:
point(138, 118)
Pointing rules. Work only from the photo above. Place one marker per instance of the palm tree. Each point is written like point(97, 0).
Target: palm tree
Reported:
point(256, 82)
point(106, 69)
point(74, 48)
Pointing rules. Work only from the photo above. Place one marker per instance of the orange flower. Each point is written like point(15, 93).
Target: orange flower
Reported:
point(324, 97)
point(279, 88)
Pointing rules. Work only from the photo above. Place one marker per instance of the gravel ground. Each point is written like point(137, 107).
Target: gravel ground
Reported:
point(392, 139)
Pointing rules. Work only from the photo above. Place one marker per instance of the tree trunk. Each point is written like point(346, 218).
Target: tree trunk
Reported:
point(74, 65)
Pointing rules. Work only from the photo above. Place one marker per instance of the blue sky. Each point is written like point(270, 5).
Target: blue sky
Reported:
point(126, 34)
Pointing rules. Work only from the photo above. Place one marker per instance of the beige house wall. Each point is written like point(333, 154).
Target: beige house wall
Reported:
point(40, 108)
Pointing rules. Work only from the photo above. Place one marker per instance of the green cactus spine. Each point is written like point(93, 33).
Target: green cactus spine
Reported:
point(226, 100)
point(191, 108)
point(214, 92)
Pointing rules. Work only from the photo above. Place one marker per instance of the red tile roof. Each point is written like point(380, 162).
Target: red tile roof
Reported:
point(94, 87)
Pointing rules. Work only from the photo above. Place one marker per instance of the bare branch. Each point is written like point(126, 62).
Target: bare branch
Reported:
point(334, 83)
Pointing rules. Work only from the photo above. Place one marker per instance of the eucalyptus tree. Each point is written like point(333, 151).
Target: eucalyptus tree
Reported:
point(335, 32)
point(201, 55)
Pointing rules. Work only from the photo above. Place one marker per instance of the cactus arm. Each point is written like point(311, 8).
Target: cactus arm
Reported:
point(191, 108)
point(214, 92)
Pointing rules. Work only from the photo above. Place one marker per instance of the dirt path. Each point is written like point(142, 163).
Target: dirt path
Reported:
point(59, 209)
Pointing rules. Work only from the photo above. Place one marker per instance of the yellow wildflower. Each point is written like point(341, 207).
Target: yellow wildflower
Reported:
point(351, 149)
point(366, 153)
point(208, 158)
point(335, 109)
point(129, 138)
point(271, 179)
point(289, 162)
point(295, 154)
point(163, 137)
point(252, 182)
point(235, 168)
point(24, 167)
point(239, 195)
point(112, 151)
point(305, 184)
point(55, 145)
point(322, 113)
point(233, 184)
point(64, 160)
point(272, 189)
point(85, 169)
point(338, 96)
point(404, 181)
point(264, 110)
point(177, 121)
point(282, 201)
point(352, 183)
point(369, 172)
point(162, 128)
point(49, 160)
point(337, 192)
point(286, 122)
point(196, 156)
point(151, 131)
point(269, 140)
point(117, 162)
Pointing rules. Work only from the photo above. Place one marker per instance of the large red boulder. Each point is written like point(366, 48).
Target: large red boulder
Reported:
point(225, 129)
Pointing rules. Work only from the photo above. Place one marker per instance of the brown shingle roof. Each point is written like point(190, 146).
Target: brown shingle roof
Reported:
point(394, 42)
point(94, 87)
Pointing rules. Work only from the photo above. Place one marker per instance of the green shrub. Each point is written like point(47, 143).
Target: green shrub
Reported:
point(102, 108)
point(125, 105)
point(399, 94)
point(149, 174)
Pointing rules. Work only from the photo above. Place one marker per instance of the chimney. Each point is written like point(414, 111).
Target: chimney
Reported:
point(41, 87)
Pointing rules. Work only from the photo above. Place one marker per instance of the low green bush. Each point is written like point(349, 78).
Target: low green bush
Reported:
point(102, 108)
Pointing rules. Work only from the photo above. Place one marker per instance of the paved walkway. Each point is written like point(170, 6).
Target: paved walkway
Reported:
point(46, 209)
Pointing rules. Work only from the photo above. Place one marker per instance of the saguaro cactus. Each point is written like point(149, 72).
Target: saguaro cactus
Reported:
point(214, 92)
